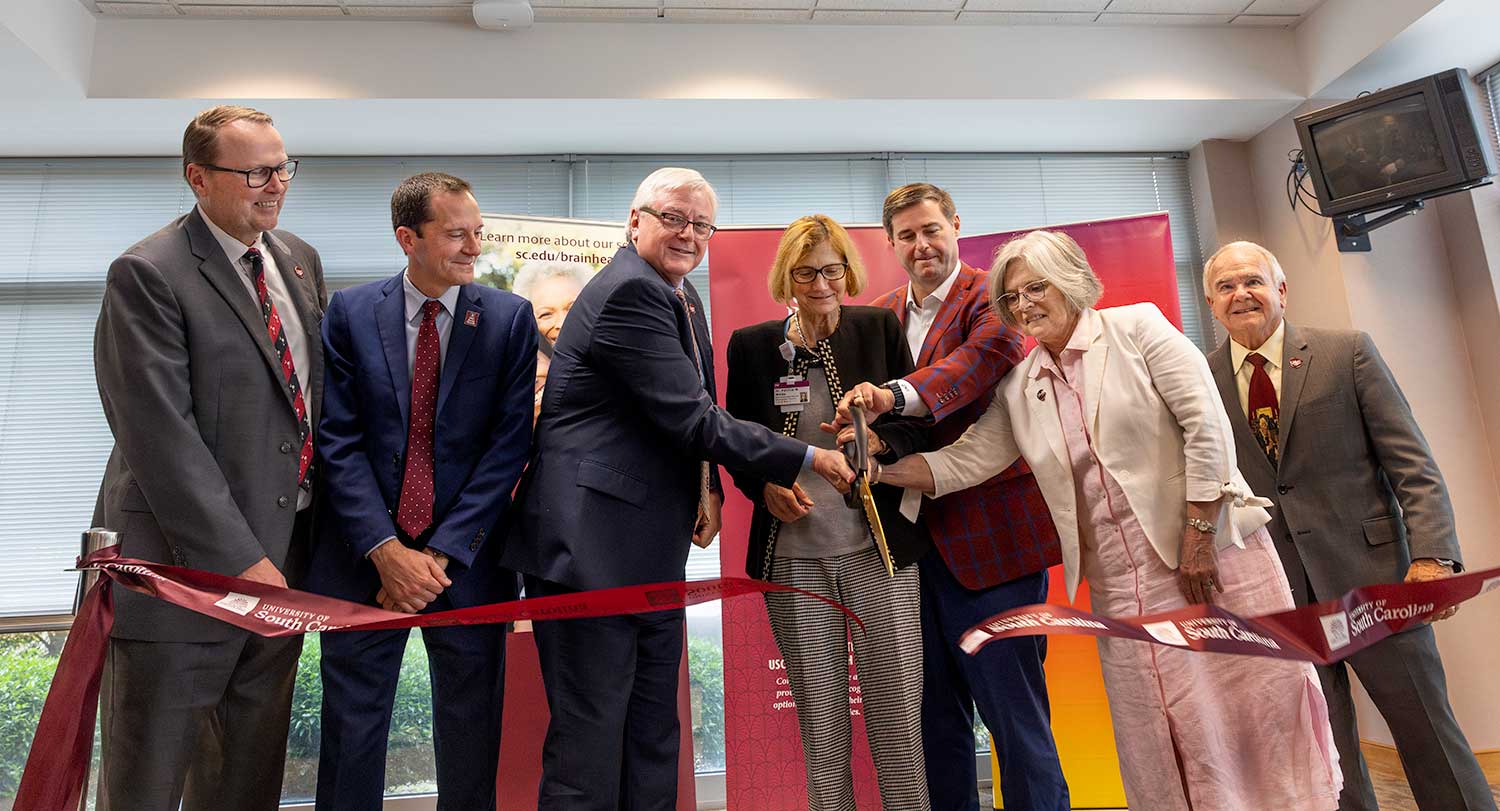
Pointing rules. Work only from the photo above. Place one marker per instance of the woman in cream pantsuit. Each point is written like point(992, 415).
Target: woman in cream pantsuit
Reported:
point(1118, 416)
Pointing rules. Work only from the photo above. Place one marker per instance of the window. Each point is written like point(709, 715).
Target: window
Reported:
point(63, 221)
point(1489, 105)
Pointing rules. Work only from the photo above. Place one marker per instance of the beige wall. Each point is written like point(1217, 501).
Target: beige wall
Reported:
point(1427, 295)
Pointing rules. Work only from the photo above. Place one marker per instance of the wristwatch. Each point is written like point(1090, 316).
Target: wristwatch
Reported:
point(1206, 527)
point(895, 389)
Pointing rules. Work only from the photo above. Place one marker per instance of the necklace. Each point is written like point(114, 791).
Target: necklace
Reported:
point(802, 334)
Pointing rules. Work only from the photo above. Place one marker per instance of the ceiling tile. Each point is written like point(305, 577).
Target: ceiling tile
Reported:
point(265, 11)
point(737, 15)
point(1282, 6)
point(884, 17)
point(743, 5)
point(587, 4)
point(889, 5)
point(465, 4)
point(1036, 5)
point(1267, 20)
point(137, 9)
point(266, 6)
point(413, 12)
point(1178, 6)
point(1027, 17)
point(1164, 19)
point(594, 14)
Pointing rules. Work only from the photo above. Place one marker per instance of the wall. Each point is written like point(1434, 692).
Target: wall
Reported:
point(1427, 295)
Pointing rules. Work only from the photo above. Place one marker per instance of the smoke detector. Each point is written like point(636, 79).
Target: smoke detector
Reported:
point(503, 15)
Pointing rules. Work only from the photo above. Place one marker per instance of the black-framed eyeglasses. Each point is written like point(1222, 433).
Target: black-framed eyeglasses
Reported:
point(1033, 291)
point(805, 274)
point(260, 175)
point(676, 222)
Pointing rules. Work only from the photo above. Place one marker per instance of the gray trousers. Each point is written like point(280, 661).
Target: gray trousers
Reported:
point(203, 724)
point(814, 640)
point(1404, 677)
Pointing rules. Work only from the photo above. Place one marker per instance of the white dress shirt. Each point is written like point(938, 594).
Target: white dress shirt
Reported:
point(919, 319)
point(1271, 350)
point(291, 317)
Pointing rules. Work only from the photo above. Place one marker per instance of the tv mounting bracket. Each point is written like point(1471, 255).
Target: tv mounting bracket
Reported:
point(1353, 230)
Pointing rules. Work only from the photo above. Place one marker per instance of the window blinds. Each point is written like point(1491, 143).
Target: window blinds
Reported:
point(63, 221)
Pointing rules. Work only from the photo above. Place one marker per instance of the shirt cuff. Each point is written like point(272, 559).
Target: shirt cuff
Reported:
point(914, 407)
point(377, 546)
point(807, 459)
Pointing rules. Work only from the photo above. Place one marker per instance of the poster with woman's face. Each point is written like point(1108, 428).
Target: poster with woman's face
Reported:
point(546, 261)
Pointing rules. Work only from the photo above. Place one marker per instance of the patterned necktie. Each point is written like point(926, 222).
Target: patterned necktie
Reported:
point(414, 512)
point(1265, 412)
point(703, 474)
point(284, 354)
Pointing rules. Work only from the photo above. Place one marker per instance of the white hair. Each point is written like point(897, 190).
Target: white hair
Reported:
point(1267, 260)
point(533, 273)
point(1055, 257)
point(666, 180)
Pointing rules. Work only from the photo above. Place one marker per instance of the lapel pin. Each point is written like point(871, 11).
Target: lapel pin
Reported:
point(1295, 363)
point(471, 318)
point(297, 269)
point(1041, 394)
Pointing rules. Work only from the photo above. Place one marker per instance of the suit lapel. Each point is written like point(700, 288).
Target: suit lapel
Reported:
point(1247, 447)
point(390, 321)
point(1044, 409)
point(1094, 361)
point(221, 273)
point(1293, 375)
point(946, 313)
point(460, 338)
point(700, 333)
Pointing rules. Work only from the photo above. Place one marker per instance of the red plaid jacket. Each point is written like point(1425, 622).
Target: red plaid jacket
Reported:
point(1001, 529)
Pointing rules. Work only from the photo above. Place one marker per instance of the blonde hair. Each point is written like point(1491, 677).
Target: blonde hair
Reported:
point(200, 140)
point(1267, 260)
point(1055, 257)
point(798, 240)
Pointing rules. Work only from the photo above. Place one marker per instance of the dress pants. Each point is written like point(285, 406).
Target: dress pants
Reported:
point(360, 672)
point(200, 723)
point(612, 743)
point(1403, 674)
point(1007, 682)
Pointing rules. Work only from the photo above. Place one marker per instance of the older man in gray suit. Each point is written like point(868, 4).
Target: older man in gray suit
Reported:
point(209, 367)
point(1323, 429)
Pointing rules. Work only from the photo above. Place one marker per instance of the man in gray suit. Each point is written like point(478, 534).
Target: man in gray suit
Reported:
point(209, 365)
point(1322, 428)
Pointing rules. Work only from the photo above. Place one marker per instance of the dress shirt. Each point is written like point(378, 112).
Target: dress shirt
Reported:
point(1271, 350)
point(919, 319)
point(291, 317)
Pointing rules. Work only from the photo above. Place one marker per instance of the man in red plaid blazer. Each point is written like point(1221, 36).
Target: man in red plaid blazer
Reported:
point(992, 543)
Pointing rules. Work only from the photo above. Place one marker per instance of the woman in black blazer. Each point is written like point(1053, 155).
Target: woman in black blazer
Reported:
point(787, 374)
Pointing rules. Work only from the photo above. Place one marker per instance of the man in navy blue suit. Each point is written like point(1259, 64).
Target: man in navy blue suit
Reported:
point(621, 480)
point(426, 427)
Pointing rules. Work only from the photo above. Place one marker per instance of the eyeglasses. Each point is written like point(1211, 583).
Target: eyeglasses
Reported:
point(1033, 291)
point(261, 175)
point(806, 274)
point(676, 222)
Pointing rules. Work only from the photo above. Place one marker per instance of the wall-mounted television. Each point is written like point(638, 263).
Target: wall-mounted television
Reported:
point(1404, 143)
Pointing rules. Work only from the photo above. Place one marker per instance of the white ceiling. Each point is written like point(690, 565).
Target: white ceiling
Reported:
point(1267, 13)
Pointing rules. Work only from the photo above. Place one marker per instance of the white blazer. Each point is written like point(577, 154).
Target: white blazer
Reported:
point(1157, 425)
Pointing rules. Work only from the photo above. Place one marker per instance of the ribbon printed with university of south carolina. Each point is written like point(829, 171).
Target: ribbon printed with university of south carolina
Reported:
point(57, 768)
point(1321, 633)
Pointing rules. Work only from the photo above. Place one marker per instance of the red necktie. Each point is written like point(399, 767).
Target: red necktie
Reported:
point(1265, 412)
point(703, 474)
point(414, 513)
point(284, 354)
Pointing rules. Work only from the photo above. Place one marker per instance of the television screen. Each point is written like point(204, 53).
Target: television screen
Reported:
point(1385, 145)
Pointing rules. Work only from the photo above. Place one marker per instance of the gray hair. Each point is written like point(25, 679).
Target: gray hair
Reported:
point(666, 180)
point(1055, 257)
point(1267, 260)
point(533, 273)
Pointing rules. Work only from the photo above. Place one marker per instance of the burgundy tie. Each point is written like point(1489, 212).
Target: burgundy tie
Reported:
point(414, 513)
point(1265, 412)
point(284, 354)
point(703, 474)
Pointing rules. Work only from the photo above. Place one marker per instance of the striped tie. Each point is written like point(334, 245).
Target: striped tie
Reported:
point(284, 354)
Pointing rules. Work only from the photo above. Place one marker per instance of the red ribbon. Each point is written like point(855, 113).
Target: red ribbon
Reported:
point(57, 767)
point(1321, 633)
